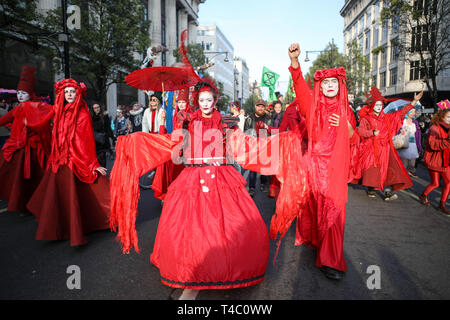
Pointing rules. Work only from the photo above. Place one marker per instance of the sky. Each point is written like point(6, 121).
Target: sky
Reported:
point(262, 30)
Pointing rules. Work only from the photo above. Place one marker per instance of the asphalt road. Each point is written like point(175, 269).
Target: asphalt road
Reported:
point(403, 244)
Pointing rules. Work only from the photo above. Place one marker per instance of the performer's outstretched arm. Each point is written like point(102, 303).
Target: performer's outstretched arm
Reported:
point(136, 154)
point(7, 118)
point(303, 93)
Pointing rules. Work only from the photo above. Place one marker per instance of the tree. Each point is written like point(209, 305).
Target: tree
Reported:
point(16, 17)
point(197, 58)
point(249, 104)
point(327, 59)
point(424, 38)
point(224, 100)
point(357, 68)
point(195, 54)
point(103, 49)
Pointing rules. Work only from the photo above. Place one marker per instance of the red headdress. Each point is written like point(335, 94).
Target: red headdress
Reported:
point(63, 132)
point(372, 97)
point(26, 82)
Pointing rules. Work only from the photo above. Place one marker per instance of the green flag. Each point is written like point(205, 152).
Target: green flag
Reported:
point(269, 79)
point(291, 91)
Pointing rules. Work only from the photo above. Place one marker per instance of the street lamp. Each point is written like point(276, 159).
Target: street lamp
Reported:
point(219, 53)
point(322, 51)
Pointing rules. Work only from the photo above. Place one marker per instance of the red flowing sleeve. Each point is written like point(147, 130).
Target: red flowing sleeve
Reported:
point(395, 119)
point(255, 154)
point(136, 154)
point(82, 154)
point(365, 130)
point(7, 118)
point(42, 112)
point(303, 94)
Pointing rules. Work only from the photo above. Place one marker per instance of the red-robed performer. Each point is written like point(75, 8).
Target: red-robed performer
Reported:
point(168, 172)
point(437, 157)
point(210, 234)
point(23, 157)
point(380, 164)
point(290, 121)
point(331, 131)
point(73, 196)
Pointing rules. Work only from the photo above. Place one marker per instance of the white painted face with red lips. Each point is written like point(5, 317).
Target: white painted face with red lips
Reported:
point(206, 102)
point(22, 96)
point(69, 94)
point(330, 87)
point(378, 107)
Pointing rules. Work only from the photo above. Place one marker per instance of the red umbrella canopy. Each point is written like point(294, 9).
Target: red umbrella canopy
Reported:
point(163, 78)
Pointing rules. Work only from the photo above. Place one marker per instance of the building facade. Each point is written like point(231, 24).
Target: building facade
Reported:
point(242, 87)
point(168, 19)
point(218, 49)
point(376, 39)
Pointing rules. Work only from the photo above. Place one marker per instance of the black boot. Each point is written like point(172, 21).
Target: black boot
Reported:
point(331, 273)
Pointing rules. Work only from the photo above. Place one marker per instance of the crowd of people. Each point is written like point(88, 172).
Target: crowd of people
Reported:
point(211, 234)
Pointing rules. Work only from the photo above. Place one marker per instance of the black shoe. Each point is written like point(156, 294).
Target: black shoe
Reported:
point(251, 192)
point(331, 273)
point(371, 194)
point(389, 196)
point(174, 294)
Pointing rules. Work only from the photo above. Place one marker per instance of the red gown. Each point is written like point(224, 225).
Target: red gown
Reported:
point(210, 234)
point(321, 224)
point(23, 157)
point(72, 199)
point(380, 164)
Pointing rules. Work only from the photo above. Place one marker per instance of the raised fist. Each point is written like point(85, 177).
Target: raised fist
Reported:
point(294, 51)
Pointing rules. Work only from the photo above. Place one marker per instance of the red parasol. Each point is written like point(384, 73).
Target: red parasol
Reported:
point(163, 78)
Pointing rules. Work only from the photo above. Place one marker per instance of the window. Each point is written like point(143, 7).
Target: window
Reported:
point(375, 37)
point(420, 37)
point(384, 33)
point(383, 79)
point(418, 70)
point(424, 6)
point(374, 80)
point(394, 52)
point(375, 61)
point(383, 58)
point(377, 9)
point(368, 40)
point(395, 24)
point(369, 16)
point(361, 23)
point(393, 80)
point(361, 43)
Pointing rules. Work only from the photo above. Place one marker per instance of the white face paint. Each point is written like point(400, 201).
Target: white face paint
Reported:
point(70, 94)
point(447, 118)
point(330, 87)
point(378, 107)
point(206, 102)
point(22, 96)
point(181, 105)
